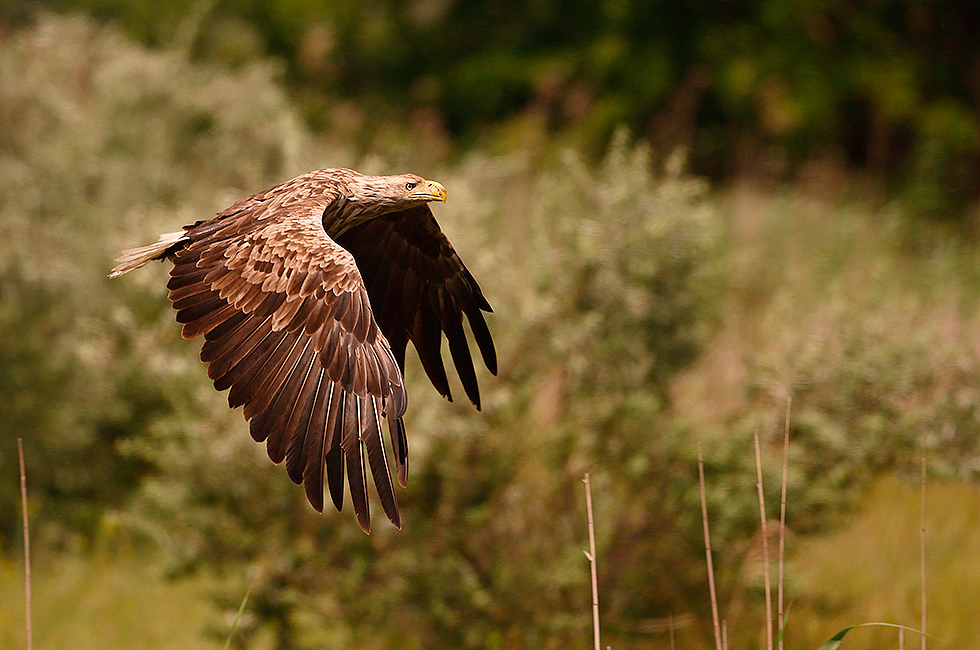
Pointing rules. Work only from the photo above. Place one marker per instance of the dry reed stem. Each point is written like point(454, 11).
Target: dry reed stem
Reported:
point(780, 619)
point(724, 634)
point(707, 552)
point(590, 554)
point(922, 543)
point(765, 542)
point(27, 547)
point(670, 627)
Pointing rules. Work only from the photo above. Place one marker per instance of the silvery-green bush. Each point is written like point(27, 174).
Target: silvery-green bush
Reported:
point(103, 145)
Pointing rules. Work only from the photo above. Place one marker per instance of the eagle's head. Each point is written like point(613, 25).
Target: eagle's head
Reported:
point(363, 198)
point(393, 193)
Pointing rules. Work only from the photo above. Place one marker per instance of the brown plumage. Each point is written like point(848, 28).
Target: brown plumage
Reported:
point(307, 295)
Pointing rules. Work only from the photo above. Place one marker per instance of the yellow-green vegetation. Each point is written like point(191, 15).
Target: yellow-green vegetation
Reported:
point(109, 602)
point(869, 570)
point(637, 311)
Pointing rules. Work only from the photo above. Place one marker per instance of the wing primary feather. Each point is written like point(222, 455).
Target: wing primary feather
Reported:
point(484, 341)
point(208, 322)
point(377, 459)
point(260, 394)
point(255, 339)
point(427, 336)
point(316, 435)
point(391, 383)
point(296, 454)
point(194, 299)
point(334, 456)
point(200, 309)
point(333, 460)
point(399, 446)
point(452, 323)
point(411, 295)
point(260, 356)
point(397, 403)
point(295, 391)
point(188, 290)
point(356, 478)
point(478, 298)
point(245, 377)
point(299, 422)
point(221, 346)
point(269, 421)
point(227, 327)
point(260, 424)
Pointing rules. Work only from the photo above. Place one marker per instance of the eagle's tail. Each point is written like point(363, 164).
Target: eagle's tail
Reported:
point(134, 258)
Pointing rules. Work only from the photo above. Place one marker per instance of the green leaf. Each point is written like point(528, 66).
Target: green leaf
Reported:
point(238, 617)
point(838, 638)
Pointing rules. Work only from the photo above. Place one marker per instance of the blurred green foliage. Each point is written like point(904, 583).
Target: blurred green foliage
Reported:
point(636, 312)
point(100, 139)
point(888, 87)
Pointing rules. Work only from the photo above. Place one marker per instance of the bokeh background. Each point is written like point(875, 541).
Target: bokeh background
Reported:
point(683, 213)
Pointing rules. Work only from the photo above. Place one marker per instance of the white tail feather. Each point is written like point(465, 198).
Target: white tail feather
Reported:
point(134, 258)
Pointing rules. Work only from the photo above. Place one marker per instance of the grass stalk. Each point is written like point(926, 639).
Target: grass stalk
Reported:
point(27, 547)
point(922, 543)
point(765, 542)
point(592, 564)
point(670, 628)
point(780, 579)
point(238, 617)
point(707, 553)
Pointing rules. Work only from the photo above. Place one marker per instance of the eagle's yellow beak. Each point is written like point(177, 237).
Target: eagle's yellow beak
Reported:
point(429, 191)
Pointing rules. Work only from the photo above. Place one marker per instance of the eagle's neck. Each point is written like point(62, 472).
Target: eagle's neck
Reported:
point(363, 198)
point(343, 214)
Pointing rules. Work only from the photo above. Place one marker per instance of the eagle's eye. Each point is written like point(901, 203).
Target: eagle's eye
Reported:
point(410, 185)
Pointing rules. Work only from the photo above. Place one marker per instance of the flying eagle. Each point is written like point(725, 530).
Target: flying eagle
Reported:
point(307, 295)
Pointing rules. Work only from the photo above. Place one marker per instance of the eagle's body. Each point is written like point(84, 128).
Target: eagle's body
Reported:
point(307, 295)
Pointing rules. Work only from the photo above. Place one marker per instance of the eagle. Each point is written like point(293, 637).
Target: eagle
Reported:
point(307, 295)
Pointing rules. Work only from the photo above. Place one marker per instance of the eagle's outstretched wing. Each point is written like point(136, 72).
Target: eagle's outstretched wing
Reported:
point(289, 329)
point(420, 289)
